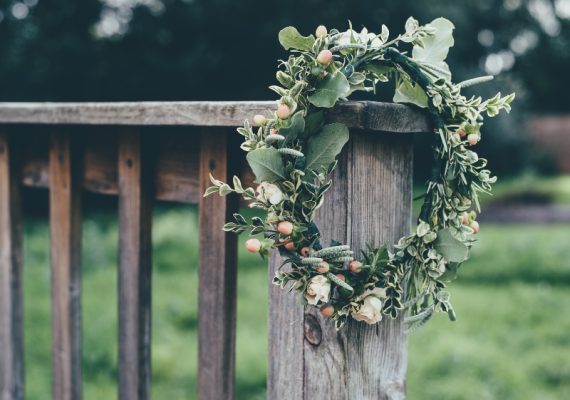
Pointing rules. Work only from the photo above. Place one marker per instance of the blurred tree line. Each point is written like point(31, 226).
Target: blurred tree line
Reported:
point(136, 50)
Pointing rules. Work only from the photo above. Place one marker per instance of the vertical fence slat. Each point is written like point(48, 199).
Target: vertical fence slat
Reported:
point(135, 264)
point(65, 237)
point(217, 270)
point(11, 333)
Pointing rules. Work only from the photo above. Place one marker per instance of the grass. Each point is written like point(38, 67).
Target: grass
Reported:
point(511, 340)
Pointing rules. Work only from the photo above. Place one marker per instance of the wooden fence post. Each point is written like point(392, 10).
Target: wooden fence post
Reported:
point(11, 332)
point(370, 200)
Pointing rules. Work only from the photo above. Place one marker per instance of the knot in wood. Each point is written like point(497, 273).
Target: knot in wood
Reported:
point(129, 163)
point(313, 332)
point(212, 164)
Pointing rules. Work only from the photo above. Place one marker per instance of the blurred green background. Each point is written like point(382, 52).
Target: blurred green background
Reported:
point(511, 340)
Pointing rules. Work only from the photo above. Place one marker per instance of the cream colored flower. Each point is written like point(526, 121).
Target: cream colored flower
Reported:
point(318, 290)
point(269, 192)
point(371, 310)
point(362, 37)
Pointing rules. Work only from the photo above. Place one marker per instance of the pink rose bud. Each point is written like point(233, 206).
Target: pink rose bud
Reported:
point(341, 277)
point(321, 31)
point(473, 138)
point(272, 132)
point(290, 246)
point(327, 311)
point(475, 226)
point(324, 57)
point(465, 218)
point(285, 228)
point(283, 111)
point(461, 132)
point(259, 120)
point(253, 245)
point(354, 265)
point(324, 267)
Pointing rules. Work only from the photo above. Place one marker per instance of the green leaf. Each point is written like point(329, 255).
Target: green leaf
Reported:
point(290, 132)
point(436, 47)
point(267, 243)
point(267, 165)
point(225, 190)
point(378, 67)
point(211, 190)
point(407, 93)
point(323, 147)
point(290, 37)
point(313, 123)
point(300, 300)
point(450, 272)
point(453, 249)
point(329, 90)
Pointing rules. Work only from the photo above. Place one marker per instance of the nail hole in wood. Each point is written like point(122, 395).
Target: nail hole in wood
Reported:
point(129, 163)
point(60, 158)
point(1, 149)
point(212, 165)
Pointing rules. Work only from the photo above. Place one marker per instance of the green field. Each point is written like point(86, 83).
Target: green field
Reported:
point(511, 340)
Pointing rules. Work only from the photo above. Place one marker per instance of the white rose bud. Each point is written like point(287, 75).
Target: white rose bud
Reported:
point(371, 310)
point(318, 289)
point(269, 192)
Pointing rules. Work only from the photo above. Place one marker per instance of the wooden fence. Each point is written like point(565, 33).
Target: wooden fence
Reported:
point(166, 150)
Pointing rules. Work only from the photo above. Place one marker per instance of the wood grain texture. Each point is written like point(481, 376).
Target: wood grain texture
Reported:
point(65, 237)
point(135, 263)
point(217, 270)
point(11, 332)
point(385, 117)
point(356, 363)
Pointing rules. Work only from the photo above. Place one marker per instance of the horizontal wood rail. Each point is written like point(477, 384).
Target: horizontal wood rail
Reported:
point(166, 150)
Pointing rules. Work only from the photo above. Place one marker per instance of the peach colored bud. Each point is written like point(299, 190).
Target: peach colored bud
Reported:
point(475, 226)
point(465, 218)
point(273, 132)
point(341, 277)
point(354, 265)
point(259, 120)
point(285, 227)
point(305, 251)
point(321, 31)
point(473, 138)
point(324, 57)
point(253, 245)
point(324, 268)
point(283, 111)
point(327, 311)
point(290, 246)
point(461, 132)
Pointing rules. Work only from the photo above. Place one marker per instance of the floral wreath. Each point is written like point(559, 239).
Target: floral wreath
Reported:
point(293, 153)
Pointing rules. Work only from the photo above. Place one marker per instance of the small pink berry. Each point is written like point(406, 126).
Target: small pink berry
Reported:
point(324, 57)
point(253, 245)
point(465, 218)
point(283, 111)
point(327, 311)
point(273, 132)
point(473, 138)
point(461, 132)
point(285, 227)
point(290, 246)
point(341, 277)
point(324, 268)
point(475, 226)
point(354, 265)
point(321, 31)
point(259, 120)
point(305, 251)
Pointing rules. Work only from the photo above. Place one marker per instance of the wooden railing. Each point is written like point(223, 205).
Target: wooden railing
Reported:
point(147, 151)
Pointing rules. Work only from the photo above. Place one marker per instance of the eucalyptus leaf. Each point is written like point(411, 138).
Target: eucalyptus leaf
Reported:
point(451, 248)
point(290, 133)
point(408, 93)
point(267, 165)
point(436, 47)
point(313, 123)
point(323, 147)
point(329, 89)
point(450, 272)
point(290, 37)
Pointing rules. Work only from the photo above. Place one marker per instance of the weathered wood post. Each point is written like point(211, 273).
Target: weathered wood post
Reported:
point(308, 358)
